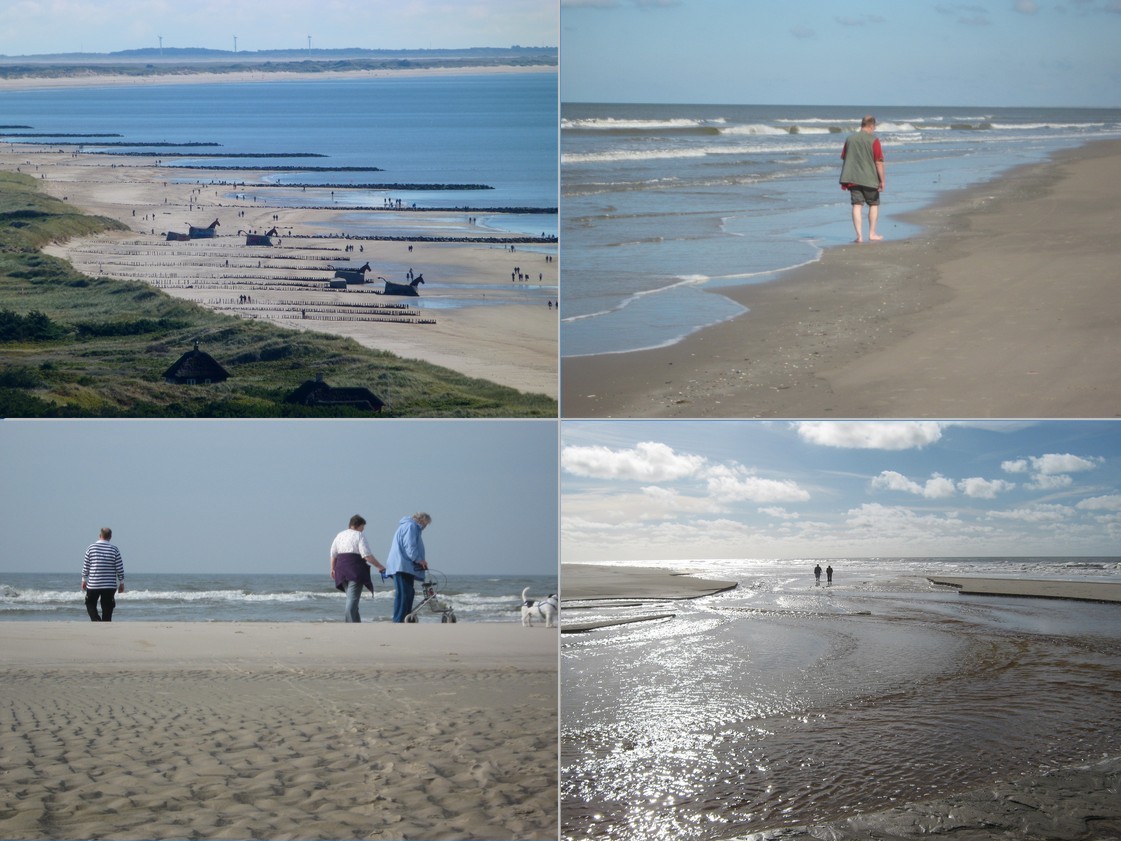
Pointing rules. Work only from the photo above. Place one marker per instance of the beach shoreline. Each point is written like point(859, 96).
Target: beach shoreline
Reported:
point(1004, 306)
point(472, 317)
point(278, 730)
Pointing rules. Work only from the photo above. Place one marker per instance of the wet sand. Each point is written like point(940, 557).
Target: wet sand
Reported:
point(289, 730)
point(1093, 591)
point(1006, 306)
point(874, 709)
point(492, 327)
point(594, 583)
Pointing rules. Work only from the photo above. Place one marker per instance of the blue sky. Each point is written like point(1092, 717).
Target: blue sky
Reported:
point(861, 53)
point(269, 496)
point(668, 491)
point(32, 27)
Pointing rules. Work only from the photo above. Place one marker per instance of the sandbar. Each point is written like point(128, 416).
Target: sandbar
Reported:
point(278, 730)
point(1095, 591)
point(1007, 305)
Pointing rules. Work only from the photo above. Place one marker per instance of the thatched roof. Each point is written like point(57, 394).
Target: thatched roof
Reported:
point(194, 367)
point(318, 393)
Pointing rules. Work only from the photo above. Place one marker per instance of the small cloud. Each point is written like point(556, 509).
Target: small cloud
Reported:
point(871, 435)
point(737, 484)
point(967, 15)
point(780, 513)
point(648, 461)
point(936, 487)
point(1034, 514)
point(1063, 463)
point(1025, 7)
point(1111, 502)
point(1020, 465)
point(979, 488)
point(802, 31)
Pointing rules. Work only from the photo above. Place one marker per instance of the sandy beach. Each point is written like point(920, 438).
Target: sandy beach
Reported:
point(290, 730)
point(480, 322)
point(1091, 591)
point(1005, 306)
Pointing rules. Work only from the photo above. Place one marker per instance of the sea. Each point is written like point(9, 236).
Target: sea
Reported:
point(321, 137)
point(56, 597)
point(784, 704)
point(663, 203)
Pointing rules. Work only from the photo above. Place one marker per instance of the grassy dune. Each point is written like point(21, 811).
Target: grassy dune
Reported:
point(78, 346)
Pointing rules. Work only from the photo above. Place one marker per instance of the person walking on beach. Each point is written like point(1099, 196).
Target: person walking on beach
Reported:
point(350, 565)
point(103, 576)
point(817, 573)
point(862, 174)
point(406, 562)
point(829, 574)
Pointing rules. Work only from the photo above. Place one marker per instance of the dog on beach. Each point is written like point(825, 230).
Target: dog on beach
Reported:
point(546, 609)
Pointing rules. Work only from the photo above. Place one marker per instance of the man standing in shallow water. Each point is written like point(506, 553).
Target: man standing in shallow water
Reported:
point(862, 174)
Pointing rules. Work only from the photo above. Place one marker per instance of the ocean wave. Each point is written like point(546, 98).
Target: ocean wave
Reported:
point(616, 124)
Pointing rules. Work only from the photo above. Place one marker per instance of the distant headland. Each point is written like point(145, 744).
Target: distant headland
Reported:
point(170, 62)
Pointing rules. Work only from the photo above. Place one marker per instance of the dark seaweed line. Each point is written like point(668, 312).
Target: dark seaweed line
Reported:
point(277, 168)
point(160, 145)
point(61, 134)
point(371, 186)
point(222, 155)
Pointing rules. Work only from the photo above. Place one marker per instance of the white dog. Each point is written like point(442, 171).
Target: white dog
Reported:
point(546, 609)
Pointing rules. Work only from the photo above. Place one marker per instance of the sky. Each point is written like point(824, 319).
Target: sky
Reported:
point(823, 52)
point(680, 491)
point(35, 27)
point(270, 496)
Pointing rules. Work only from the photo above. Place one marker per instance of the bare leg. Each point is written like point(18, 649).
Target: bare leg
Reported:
point(873, 217)
point(858, 220)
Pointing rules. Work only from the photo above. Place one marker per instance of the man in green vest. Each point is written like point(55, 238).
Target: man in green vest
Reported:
point(862, 174)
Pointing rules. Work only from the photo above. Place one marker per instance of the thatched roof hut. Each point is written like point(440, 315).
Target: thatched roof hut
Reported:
point(318, 393)
point(196, 367)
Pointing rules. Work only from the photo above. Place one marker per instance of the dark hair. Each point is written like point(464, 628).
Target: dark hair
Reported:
point(106, 533)
point(356, 521)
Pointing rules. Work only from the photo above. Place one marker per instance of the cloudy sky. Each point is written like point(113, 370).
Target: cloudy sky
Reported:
point(32, 27)
point(665, 491)
point(823, 52)
point(269, 496)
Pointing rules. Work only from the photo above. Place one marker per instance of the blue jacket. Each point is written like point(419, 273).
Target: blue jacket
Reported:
point(406, 550)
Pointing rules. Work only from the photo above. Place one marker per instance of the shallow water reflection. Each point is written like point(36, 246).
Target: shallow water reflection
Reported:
point(803, 708)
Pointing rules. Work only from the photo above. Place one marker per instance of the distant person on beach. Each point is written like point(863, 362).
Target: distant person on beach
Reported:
point(406, 562)
point(817, 573)
point(103, 576)
point(829, 575)
point(350, 565)
point(862, 174)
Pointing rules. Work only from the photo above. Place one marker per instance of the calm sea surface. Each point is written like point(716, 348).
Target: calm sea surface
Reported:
point(782, 704)
point(661, 203)
point(256, 598)
point(498, 130)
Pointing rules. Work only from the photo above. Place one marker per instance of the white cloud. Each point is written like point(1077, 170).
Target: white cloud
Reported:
point(1065, 463)
point(648, 461)
point(1034, 514)
point(780, 513)
point(980, 488)
point(936, 487)
point(1048, 482)
point(1019, 465)
point(1112, 502)
point(871, 435)
point(736, 483)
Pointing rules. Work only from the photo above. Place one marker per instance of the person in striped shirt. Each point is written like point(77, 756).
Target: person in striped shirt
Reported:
point(103, 576)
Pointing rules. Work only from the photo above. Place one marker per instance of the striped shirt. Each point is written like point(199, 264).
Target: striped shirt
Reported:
point(104, 568)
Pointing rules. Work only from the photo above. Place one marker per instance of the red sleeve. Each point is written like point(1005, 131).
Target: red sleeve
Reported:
point(877, 150)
